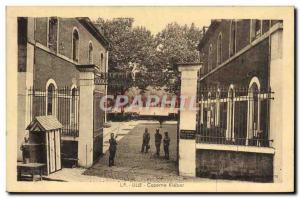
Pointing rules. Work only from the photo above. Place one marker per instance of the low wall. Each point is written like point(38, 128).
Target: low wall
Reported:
point(69, 153)
point(246, 166)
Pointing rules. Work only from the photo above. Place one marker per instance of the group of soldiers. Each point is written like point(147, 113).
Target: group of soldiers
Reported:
point(158, 140)
point(145, 145)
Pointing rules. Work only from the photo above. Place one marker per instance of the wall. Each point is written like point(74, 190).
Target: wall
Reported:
point(41, 29)
point(243, 34)
point(48, 65)
point(65, 30)
point(242, 40)
point(244, 68)
point(69, 150)
point(277, 106)
point(234, 165)
point(66, 27)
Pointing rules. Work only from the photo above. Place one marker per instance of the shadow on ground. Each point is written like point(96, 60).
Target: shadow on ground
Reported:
point(132, 165)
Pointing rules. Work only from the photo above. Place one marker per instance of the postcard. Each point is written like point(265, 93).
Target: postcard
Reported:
point(150, 99)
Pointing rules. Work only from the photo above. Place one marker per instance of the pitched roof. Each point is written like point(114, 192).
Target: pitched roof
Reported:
point(46, 123)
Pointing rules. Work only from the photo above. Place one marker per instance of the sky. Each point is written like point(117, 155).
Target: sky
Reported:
point(154, 18)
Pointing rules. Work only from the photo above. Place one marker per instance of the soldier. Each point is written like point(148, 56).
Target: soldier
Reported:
point(146, 140)
point(112, 150)
point(166, 141)
point(158, 138)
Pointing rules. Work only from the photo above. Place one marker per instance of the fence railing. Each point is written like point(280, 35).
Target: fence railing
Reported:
point(231, 116)
point(62, 103)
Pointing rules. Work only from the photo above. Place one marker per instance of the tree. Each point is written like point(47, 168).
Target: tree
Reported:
point(152, 58)
point(133, 50)
point(177, 44)
point(130, 45)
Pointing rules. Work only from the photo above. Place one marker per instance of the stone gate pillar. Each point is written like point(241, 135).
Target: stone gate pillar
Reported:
point(85, 140)
point(187, 124)
point(277, 105)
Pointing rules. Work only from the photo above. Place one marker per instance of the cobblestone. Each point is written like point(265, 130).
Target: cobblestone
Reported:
point(131, 164)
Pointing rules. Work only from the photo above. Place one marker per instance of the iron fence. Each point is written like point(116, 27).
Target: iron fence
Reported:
point(62, 103)
point(234, 116)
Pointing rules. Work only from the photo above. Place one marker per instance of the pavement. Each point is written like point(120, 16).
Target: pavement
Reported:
point(130, 163)
point(121, 130)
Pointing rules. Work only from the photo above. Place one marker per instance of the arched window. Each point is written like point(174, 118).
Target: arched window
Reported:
point(73, 102)
point(202, 110)
point(232, 40)
point(210, 110)
point(90, 53)
point(230, 114)
point(217, 111)
point(254, 110)
point(75, 45)
point(101, 60)
point(209, 62)
point(219, 49)
point(50, 99)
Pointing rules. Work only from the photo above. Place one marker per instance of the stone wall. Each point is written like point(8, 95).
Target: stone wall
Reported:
point(65, 31)
point(218, 164)
point(48, 65)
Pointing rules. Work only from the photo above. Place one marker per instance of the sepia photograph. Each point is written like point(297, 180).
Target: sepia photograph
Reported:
point(150, 99)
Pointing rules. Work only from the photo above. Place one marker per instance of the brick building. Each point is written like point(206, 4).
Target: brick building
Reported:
point(238, 133)
point(58, 60)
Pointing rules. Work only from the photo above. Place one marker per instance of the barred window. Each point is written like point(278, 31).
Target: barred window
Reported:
point(254, 110)
point(50, 99)
point(230, 114)
point(73, 103)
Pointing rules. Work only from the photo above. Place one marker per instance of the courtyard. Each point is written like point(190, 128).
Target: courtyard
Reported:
point(131, 164)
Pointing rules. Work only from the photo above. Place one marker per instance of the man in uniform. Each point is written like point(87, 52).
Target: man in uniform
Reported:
point(158, 138)
point(146, 140)
point(112, 150)
point(166, 142)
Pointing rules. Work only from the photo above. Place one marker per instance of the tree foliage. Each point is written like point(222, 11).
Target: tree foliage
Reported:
point(177, 44)
point(138, 48)
point(129, 44)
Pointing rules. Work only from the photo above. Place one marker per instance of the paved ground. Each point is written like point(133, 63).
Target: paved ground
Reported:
point(131, 164)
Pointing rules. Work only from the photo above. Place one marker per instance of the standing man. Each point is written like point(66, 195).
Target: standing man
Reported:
point(166, 145)
point(146, 140)
point(112, 150)
point(158, 138)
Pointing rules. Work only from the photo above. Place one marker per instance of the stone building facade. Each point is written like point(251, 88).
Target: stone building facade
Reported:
point(237, 132)
point(55, 55)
